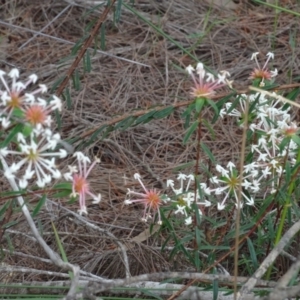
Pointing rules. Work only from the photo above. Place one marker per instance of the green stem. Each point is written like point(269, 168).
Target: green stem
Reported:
point(287, 205)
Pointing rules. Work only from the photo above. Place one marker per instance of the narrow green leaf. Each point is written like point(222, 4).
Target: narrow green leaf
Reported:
point(27, 130)
point(107, 131)
point(62, 190)
point(39, 205)
point(198, 236)
point(163, 113)
point(58, 120)
point(187, 115)
point(78, 44)
point(296, 139)
point(93, 10)
point(102, 37)
point(89, 27)
point(9, 242)
point(67, 97)
point(209, 127)
point(9, 224)
point(197, 260)
point(57, 84)
point(61, 248)
point(252, 254)
point(94, 136)
point(190, 131)
point(76, 80)
point(213, 105)
point(166, 223)
point(145, 118)
point(199, 103)
point(287, 171)
point(149, 293)
point(215, 286)
point(124, 124)
point(118, 11)
point(165, 242)
point(208, 152)
point(12, 133)
point(87, 61)
point(4, 208)
point(196, 209)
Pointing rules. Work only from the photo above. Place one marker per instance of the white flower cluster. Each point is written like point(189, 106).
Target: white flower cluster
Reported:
point(185, 197)
point(273, 134)
point(33, 143)
point(273, 142)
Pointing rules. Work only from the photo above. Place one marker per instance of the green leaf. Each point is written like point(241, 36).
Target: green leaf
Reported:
point(87, 65)
point(62, 190)
point(284, 143)
point(145, 118)
point(124, 124)
point(9, 224)
point(198, 236)
point(27, 130)
point(107, 131)
point(4, 207)
point(13, 132)
point(9, 242)
point(215, 286)
point(163, 113)
point(61, 248)
point(209, 127)
point(96, 133)
point(57, 84)
point(189, 132)
point(199, 103)
point(213, 105)
point(76, 80)
point(252, 254)
point(58, 120)
point(196, 209)
point(102, 37)
point(187, 115)
point(292, 95)
point(197, 261)
point(79, 44)
point(118, 11)
point(67, 97)
point(18, 113)
point(296, 139)
point(39, 205)
point(287, 169)
point(208, 152)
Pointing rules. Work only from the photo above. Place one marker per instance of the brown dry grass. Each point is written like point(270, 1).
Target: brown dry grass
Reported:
point(115, 87)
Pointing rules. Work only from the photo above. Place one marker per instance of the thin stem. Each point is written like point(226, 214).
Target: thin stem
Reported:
point(239, 196)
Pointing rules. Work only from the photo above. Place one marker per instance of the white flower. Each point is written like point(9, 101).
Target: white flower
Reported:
point(190, 69)
point(184, 197)
point(15, 95)
point(188, 220)
point(37, 153)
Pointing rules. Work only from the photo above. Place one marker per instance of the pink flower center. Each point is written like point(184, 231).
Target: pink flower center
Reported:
point(260, 74)
point(153, 199)
point(35, 115)
point(80, 184)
